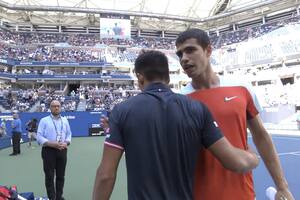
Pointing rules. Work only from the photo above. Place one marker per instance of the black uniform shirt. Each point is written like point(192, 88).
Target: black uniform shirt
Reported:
point(161, 133)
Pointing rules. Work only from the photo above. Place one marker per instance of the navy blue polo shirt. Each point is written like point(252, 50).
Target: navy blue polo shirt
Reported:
point(161, 133)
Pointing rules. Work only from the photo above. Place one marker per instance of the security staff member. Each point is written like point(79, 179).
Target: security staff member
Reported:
point(16, 126)
point(54, 134)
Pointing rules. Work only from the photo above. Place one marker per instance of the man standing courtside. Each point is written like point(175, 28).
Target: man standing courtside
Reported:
point(54, 134)
point(16, 126)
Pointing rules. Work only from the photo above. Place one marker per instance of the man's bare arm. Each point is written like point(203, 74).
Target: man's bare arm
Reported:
point(233, 158)
point(106, 173)
point(267, 151)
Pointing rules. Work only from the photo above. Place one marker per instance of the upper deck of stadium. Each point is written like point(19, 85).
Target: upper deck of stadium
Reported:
point(168, 16)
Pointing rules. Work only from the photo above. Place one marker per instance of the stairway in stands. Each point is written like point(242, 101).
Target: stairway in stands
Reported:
point(81, 105)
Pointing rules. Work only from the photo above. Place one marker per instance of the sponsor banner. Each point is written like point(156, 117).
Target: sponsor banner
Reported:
point(96, 131)
point(82, 124)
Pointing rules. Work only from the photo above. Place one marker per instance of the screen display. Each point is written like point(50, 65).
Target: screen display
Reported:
point(115, 28)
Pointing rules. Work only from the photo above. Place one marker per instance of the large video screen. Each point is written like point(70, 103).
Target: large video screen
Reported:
point(115, 27)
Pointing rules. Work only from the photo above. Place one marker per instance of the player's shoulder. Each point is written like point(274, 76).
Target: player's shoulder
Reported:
point(193, 105)
point(233, 81)
point(234, 88)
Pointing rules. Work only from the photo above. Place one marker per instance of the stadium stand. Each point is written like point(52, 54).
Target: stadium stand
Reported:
point(249, 46)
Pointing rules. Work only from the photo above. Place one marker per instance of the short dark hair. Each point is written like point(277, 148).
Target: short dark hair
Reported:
point(153, 65)
point(198, 34)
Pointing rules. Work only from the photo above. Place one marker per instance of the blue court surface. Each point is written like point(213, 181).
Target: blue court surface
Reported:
point(288, 149)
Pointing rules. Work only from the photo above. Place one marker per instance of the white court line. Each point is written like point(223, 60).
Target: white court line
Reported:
point(287, 137)
point(293, 153)
point(281, 137)
point(296, 154)
point(289, 153)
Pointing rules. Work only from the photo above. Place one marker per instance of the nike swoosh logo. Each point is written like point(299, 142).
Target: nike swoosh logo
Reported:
point(230, 98)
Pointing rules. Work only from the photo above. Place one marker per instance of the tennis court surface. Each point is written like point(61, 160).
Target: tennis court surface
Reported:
point(288, 149)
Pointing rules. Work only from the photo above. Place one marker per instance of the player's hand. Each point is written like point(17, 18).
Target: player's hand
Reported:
point(254, 155)
point(104, 122)
point(284, 195)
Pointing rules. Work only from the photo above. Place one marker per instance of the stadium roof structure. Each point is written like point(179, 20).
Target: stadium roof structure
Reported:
point(168, 15)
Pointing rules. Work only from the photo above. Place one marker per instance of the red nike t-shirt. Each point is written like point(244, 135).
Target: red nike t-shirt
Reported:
point(231, 107)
